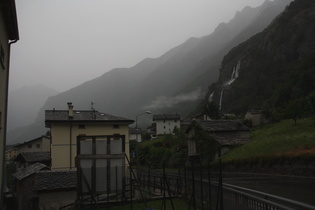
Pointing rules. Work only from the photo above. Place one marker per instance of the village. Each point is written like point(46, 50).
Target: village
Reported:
point(94, 146)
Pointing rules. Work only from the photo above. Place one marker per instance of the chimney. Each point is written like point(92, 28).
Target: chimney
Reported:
point(70, 110)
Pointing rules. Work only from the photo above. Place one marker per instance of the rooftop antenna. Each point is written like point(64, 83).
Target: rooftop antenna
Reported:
point(92, 106)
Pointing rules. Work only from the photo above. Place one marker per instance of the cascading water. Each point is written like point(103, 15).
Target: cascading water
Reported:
point(220, 102)
point(211, 97)
point(234, 76)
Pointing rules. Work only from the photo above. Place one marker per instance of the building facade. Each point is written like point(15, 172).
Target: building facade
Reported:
point(166, 123)
point(67, 125)
point(9, 34)
point(40, 144)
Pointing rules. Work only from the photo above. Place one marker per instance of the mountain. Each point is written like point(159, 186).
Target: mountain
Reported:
point(24, 103)
point(23, 106)
point(274, 68)
point(173, 82)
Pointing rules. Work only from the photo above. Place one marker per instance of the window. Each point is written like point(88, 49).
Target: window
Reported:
point(37, 145)
point(81, 126)
point(116, 126)
point(29, 145)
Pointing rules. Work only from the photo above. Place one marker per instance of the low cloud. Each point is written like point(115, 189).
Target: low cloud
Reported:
point(170, 101)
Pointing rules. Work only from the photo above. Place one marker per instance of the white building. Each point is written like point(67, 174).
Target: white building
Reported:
point(166, 123)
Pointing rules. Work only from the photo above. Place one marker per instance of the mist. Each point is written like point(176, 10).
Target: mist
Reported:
point(65, 43)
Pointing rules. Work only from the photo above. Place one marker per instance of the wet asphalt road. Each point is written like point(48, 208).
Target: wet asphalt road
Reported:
point(296, 188)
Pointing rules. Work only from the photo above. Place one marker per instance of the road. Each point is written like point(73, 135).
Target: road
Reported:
point(296, 188)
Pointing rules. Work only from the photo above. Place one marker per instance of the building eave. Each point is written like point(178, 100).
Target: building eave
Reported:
point(10, 16)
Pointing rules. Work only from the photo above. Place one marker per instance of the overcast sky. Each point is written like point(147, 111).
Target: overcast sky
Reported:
point(64, 43)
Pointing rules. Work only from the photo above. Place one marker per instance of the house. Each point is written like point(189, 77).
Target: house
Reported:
point(55, 189)
point(26, 159)
point(166, 123)
point(24, 182)
point(152, 130)
point(40, 144)
point(226, 134)
point(135, 134)
point(200, 116)
point(11, 153)
point(255, 116)
point(71, 129)
point(9, 34)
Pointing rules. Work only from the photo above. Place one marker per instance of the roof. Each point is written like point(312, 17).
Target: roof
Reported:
point(55, 180)
point(33, 156)
point(225, 132)
point(222, 125)
point(254, 111)
point(166, 117)
point(53, 116)
point(25, 172)
point(10, 17)
point(135, 131)
point(27, 142)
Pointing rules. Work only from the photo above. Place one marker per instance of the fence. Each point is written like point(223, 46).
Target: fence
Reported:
point(201, 187)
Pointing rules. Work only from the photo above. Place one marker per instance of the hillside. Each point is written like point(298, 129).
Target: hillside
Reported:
point(173, 82)
point(280, 148)
point(279, 140)
point(274, 69)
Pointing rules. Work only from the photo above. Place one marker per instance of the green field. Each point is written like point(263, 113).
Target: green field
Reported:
point(282, 139)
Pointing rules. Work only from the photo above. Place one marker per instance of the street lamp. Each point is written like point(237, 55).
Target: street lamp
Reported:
point(137, 146)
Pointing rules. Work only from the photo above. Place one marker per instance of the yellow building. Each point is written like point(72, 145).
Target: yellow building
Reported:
point(9, 34)
point(68, 127)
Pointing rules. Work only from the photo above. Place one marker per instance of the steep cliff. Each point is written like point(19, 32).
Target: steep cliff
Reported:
point(272, 68)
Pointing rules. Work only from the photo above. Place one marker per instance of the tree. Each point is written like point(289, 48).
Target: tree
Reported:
point(295, 109)
point(212, 110)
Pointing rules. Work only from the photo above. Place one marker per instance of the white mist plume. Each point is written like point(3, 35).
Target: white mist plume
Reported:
point(169, 101)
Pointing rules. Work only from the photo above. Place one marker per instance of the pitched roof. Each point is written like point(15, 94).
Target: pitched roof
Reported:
point(222, 125)
point(33, 156)
point(27, 142)
point(166, 117)
point(25, 172)
point(82, 115)
point(53, 180)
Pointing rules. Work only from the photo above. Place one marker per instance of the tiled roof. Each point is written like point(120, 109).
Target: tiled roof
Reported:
point(25, 172)
point(166, 117)
point(33, 140)
point(53, 180)
point(34, 156)
point(222, 125)
point(79, 115)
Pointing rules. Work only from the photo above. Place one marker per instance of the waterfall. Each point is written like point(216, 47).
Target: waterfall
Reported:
point(211, 97)
point(235, 74)
point(220, 102)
